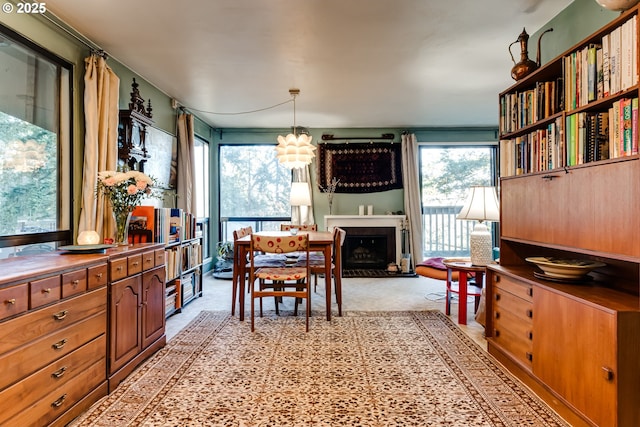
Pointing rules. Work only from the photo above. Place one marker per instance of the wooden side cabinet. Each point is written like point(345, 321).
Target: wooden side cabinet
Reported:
point(136, 311)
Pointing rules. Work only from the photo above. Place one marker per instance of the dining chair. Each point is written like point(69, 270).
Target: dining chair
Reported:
point(317, 265)
point(288, 281)
point(261, 260)
point(301, 227)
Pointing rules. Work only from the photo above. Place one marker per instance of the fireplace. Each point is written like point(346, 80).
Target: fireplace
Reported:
point(373, 231)
point(368, 248)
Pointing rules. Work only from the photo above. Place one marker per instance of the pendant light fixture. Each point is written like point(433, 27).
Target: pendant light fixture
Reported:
point(295, 151)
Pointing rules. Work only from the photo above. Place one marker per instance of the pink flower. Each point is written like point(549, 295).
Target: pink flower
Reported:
point(141, 185)
point(109, 182)
point(132, 189)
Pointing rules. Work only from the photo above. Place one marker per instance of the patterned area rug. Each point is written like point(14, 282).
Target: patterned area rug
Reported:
point(362, 369)
point(357, 272)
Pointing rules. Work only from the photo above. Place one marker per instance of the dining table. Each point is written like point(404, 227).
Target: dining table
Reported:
point(319, 241)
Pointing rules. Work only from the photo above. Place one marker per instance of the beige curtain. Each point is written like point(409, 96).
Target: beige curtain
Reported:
point(186, 162)
point(412, 203)
point(301, 215)
point(100, 142)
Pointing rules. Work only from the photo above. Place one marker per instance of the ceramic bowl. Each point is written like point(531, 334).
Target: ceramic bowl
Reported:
point(565, 268)
point(617, 5)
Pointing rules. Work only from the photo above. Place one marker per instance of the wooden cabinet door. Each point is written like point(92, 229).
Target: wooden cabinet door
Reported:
point(153, 319)
point(125, 325)
point(574, 349)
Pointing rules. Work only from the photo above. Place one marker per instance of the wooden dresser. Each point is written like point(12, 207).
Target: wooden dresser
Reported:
point(60, 324)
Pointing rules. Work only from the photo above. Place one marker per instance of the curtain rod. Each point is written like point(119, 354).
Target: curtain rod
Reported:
point(385, 136)
point(93, 47)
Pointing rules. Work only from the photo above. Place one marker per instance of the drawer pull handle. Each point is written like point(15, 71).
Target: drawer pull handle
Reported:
point(529, 356)
point(530, 314)
point(99, 276)
point(497, 314)
point(60, 372)
point(530, 335)
point(497, 297)
point(608, 373)
point(59, 344)
point(61, 315)
point(46, 291)
point(497, 279)
point(57, 403)
point(75, 283)
point(119, 268)
point(11, 301)
point(135, 263)
point(496, 333)
point(530, 292)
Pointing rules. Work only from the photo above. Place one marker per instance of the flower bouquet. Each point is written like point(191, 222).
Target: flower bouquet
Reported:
point(330, 190)
point(125, 191)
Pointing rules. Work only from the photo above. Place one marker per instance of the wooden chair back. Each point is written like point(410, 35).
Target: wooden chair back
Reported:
point(301, 227)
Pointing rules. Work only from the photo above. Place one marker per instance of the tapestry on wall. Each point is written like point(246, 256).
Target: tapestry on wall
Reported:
point(360, 168)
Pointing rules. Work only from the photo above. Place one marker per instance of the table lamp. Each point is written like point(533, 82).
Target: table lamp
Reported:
point(300, 196)
point(481, 205)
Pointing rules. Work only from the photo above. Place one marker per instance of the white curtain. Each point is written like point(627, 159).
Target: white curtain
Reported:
point(300, 215)
point(412, 203)
point(186, 162)
point(100, 142)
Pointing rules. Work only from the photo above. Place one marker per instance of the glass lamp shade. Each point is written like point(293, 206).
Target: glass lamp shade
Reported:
point(295, 151)
point(300, 195)
point(617, 5)
point(88, 237)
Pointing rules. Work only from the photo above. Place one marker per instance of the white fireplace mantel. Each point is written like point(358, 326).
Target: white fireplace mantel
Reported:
point(370, 221)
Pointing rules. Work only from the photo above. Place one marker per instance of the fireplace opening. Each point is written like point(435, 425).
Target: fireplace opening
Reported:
point(368, 248)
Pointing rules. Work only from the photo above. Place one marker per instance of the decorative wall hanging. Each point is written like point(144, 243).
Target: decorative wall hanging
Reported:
point(360, 168)
point(132, 131)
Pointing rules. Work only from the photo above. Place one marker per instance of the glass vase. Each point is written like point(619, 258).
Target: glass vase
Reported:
point(122, 227)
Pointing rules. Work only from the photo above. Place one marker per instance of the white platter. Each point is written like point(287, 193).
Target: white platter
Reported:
point(565, 268)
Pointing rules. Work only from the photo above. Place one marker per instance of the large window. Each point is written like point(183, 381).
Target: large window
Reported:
point(254, 188)
point(446, 175)
point(35, 168)
point(201, 186)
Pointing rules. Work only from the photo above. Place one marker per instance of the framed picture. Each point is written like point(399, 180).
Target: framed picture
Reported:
point(162, 163)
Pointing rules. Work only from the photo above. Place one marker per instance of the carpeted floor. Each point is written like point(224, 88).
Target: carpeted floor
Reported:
point(374, 273)
point(362, 369)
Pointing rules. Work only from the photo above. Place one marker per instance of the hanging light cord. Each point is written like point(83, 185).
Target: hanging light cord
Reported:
point(243, 112)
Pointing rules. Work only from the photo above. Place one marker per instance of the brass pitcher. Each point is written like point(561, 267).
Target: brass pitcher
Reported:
point(526, 66)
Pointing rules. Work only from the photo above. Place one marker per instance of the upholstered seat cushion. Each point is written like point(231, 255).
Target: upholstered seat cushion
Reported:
point(434, 269)
point(281, 274)
point(315, 258)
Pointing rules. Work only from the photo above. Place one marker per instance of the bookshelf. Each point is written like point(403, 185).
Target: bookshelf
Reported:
point(570, 170)
point(182, 236)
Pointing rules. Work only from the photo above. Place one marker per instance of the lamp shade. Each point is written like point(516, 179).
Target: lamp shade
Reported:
point(481, 205)
point(300, 195)
point(295, 151)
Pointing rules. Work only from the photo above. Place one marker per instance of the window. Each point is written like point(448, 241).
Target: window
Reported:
point(201, 184)
point(35, 148)
point(446, 174)
point(254, 189)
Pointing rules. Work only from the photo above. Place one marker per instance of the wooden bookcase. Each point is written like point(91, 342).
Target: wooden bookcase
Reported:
point(184, 279)
point(575, 341)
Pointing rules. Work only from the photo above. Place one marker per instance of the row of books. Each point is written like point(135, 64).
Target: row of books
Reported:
point(579, 138)
point(521, 109)
point(168, 225)
point(599, 70)
point(540, 150)
point(191, 255)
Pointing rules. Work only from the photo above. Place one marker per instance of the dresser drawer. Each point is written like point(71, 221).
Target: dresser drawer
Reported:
point(44, 291)
point(148, 260)
point(49, 378)
point(515, 337)
point(74, 283)
point(29, 358)
point(134, 264)
point(118, 269)
point(520, 289)
point(28, 327)
point(60, 400)
point(14, 300)
point(505, 302)
point(160, 257)
point(97, 276)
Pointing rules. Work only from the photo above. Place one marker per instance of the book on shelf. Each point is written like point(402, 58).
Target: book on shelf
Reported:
point(143, 217)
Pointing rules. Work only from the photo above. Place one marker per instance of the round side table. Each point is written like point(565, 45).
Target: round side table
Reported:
point(463, 266)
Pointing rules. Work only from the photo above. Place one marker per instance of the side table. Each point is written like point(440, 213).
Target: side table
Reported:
point(463, 266)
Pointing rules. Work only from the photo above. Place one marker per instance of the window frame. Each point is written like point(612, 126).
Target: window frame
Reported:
point(65, 136)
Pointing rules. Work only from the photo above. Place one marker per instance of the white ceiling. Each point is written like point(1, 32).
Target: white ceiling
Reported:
point(357, 63)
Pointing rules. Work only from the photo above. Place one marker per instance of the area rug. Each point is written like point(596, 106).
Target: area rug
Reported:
point(362, 369)
point(362, 272)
